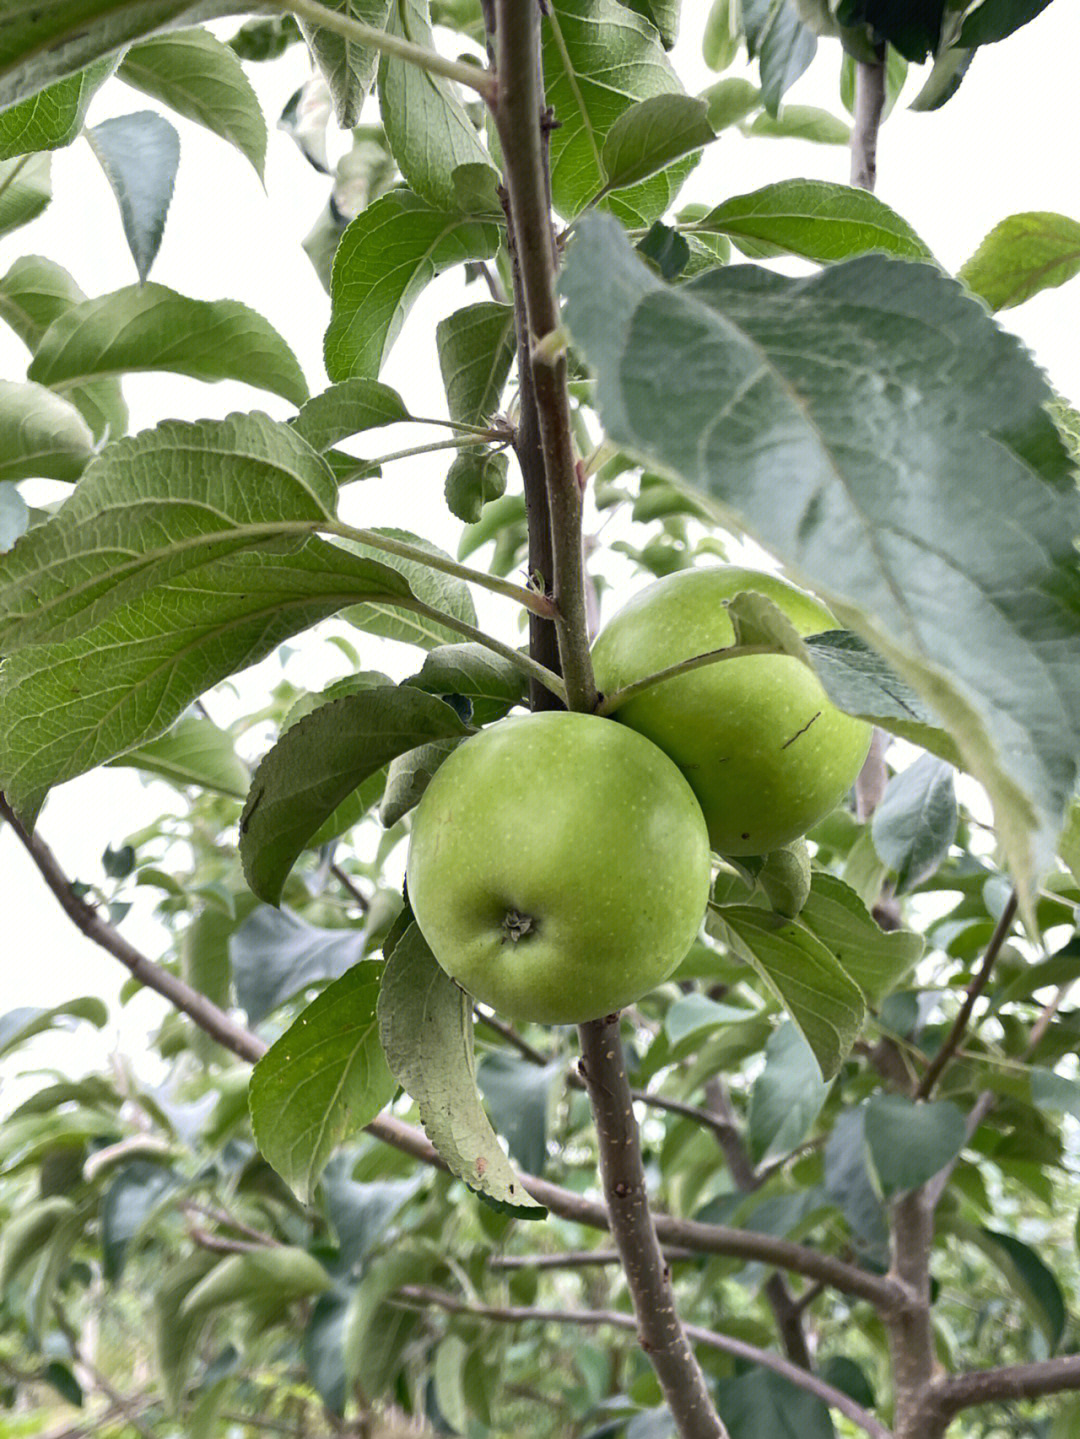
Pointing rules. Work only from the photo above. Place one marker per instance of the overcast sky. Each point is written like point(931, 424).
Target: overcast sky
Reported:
point(1005, 143)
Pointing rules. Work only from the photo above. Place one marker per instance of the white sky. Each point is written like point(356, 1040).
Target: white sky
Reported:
point(1004, 144)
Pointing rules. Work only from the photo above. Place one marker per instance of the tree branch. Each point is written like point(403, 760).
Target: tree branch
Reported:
point(577, 1259)
point(749, 1353)
point(475, 77)
point(952, 1040)
point(1015, 1381)
point(648, 1277)
point(869, 106)
point(849, 1279)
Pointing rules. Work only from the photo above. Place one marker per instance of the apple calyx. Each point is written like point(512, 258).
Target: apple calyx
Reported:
point(518, 925)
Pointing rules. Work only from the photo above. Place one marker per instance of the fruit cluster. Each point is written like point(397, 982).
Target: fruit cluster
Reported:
point(559, 865)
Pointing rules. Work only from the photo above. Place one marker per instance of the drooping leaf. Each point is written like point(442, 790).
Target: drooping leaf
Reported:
point(915, 823)
point(376, 1329)
point(944, 80)
point(41, 435)
point(54, 117)
point(193, 752)
point(25, 189)
point(408, 776)
point(176, 1336)
point(664, 14)
point(729, 101)
point(282, 1274)
point(389, 253)
point(1030, 1278)
point(994, 20)
point(823, 1001)
point(490, 683)
point(476, 350)
point(909, 1143)
point(787, 1096)
point(720, 42)
point(27, 1233)
point(275, 955)
point(427, 127)
point(323, 1348)
point(709, 381)
point(322, 1081)
point(876, 959)
point(149, 327)
point(33, 293)
point(814, 219)
point(348, 409)
point(801, 122)
point(319, 761)
point(201, 78)
point(139, 154)
point(599, 60)
point(1022, 255)
point(347, 66)
point(783, 46)
point(652, 135)
point(425, 1021)
point(476, 477)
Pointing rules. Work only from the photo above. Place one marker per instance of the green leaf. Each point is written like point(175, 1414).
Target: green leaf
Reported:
point(1055, 1092)
point(193, 752)
point(408, 776)
point(321, 760)
point(176, 1336)
point(52, 118)
point(348, 409)
point(376, 1329)
point(652, 135)
point(149, 327)
point(780, 42)
point(19, 1025)
point(664, 14)
point(787, 1096)
point(915, 30)
point(322, 1081)
point(1029, 1278)
point(386, 257)
point(41, 435)
point(139, 154)
point(849, 1186)
point(152, 507)
point(435, 590)
point(476, 350)
point(25, 190)
point(801, 122)
point(33, 293)
point(762, 1405)
point(729, 383)
point(915, 823)
point(491, 684)
point(599, 60)
point(814, 219)
point(26, 1234)
point(876, 959)
point(427, 127)
point(821, 999)
point(1022, 255)
point(720, 42)
point(425, 1021)
point(202, 79)
point(348, 67)
point(996, 19)
point(944, 79)
point(729, 101)
point(61, 1378)
point(262, 40)
point(518, 1096)
point(475, 478)
point(909, 1143)
point(283, 1275)
point(275, 955)
point(156, 653)
point(135, 1194)
point(695, 1012)
point(324, 1355)
point(360, 1213)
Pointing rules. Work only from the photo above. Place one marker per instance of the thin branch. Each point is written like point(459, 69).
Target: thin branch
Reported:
point(982, 978)
point(869, 107)
point(345, 880)
point(617, 698)
point(648, 1277)
point(474, 77)
point(460, 442)
point(746, 1245)
point(510, 1034)
point(578, 1259)
point(1015, 1381)
point(726, 1344)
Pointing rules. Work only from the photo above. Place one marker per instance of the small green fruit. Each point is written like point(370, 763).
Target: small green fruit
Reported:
point(785, 878)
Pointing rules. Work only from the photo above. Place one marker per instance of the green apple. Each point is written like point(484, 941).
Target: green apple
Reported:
point(558, 867)
point(763, 749)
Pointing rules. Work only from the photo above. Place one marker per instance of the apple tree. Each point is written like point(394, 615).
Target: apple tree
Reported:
point(698, 1062)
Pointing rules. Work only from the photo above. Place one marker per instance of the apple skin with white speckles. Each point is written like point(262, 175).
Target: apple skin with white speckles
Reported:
point(558, 867)
point(764, 750)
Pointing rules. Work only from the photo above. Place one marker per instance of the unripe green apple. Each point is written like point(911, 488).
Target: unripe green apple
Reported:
point(558, 867)
point(763, 749)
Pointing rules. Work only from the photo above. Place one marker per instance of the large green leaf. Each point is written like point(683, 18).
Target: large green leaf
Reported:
point(762, 1405)
point(652, 135)
point(814, 219)
point(348, 67)
point(518, 1095)
point(730, 382)
point(823, 1001)
point(319, 761)
point(149, 327)
point(41, 435)
point(909, 1143)
point(322, 1081)
point(33, 293)
point(600, 59)
point(139, 154)
point(53, 117)
point(915, 823)
point(68, 706)
point(427, 127)
point(151, 507)
point(348, 409)
point(876, 959)
point(200, 78)
point(274, 955)
point(1022, 255)
point(425, 1021)
point(27, 1233)
point(476, 350)
point(25, 190)
point(386, 257)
